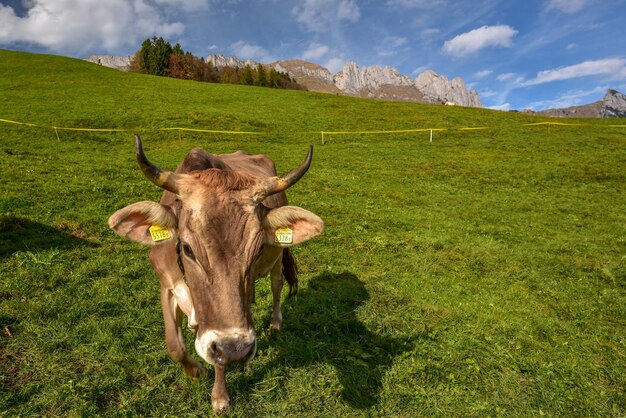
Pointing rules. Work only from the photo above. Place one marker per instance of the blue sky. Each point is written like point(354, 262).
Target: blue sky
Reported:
point(516, 54)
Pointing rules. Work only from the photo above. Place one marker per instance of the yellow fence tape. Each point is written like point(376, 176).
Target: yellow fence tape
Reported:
point(379, 132)
point(59, 128)
point(88, 129)
point(556, 123)
point(211, 131)
point(18, 123)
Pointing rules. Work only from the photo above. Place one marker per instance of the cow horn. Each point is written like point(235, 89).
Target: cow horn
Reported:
point(163, 179)
point(283, 182)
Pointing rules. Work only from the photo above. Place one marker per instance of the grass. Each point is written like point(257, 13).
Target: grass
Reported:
point(482, 274)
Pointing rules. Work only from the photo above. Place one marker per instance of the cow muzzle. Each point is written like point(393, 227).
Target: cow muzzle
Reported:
point(220, 348)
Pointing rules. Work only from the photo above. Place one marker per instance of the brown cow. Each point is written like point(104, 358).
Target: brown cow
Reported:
point(223, 221)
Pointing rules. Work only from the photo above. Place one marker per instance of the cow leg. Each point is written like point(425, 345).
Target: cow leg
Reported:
point(219, 394)
point(173, 318)
point(277, 287)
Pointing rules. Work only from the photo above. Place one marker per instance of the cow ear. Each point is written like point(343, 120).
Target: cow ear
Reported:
point(291, 225)
point(145, 222)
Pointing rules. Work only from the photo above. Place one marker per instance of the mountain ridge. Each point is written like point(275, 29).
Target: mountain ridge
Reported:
point(371, 82)
point(385, 83)
point(612, 105)
point(388, 84)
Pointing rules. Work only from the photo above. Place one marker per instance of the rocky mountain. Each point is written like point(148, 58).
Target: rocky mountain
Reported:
point(612, 105)
point(111, 61)
point(380, 82)
point(438, 89)
point(376, 82)
point(372, 82)
point(313, 76)
point(353, 80)
point(219, 60)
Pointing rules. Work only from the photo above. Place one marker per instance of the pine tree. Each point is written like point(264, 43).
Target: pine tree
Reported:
point(178, 50)
point(155, 54)
point(144, 54)
point(261, 79)
point(273, 78)
point(247, 77)
point(160, 56)
point(157, 57)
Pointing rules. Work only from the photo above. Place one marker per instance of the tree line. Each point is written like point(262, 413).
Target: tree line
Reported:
point(158, 57)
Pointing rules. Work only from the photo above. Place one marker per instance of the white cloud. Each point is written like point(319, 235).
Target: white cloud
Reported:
point(571, 46)
point(505, 76)
point(252, 52)
point(335, 64)
point(595, 26)
point(390, 45)
point(566, 6)
point(473, 41)
point(315, 51)
point(430, 32)
point(413, 3)
point(483, 74)
point(614, 68)
point(186, 5)
point(319, 15)
point(348, 10)
point(487, 93)
point(78, 26)
point(395, 41)
point(384, 53)
point(419, 70)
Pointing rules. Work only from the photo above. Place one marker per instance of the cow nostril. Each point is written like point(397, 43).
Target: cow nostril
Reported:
point(219, 353)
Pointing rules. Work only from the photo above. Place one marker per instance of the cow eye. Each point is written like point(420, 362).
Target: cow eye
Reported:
point(187, 250)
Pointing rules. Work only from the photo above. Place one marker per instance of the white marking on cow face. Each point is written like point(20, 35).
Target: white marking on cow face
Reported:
point(183, 301)
point(223, 347)
point(192, 321)
point(183, 298)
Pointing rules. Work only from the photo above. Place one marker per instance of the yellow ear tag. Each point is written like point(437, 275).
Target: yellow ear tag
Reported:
point(283, 235)
point(159, 233)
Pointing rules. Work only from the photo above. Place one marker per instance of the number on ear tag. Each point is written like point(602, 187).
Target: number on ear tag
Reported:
point(159, 233)
point(283, 235)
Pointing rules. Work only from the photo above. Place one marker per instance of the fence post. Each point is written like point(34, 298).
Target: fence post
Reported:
point(322, 137)
point(431, 135)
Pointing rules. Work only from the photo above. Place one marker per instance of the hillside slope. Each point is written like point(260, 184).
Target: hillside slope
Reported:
point(91, 96)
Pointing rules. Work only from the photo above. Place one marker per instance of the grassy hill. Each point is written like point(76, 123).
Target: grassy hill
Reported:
point(481, 274)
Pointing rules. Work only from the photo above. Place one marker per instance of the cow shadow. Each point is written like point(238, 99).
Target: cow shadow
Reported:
point(22, 234)
point(321, 325)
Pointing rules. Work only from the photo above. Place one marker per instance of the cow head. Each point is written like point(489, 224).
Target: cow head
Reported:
point(220, 230)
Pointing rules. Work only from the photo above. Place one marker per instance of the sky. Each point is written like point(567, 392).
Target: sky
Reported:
point(532, 54)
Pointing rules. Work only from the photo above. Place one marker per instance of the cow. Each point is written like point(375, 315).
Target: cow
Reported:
point(222, 222)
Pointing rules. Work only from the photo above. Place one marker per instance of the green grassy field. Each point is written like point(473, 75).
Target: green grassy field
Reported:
point(482, 274)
